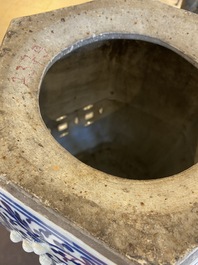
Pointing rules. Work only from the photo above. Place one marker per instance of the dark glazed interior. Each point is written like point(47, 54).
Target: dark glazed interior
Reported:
point(125, 107)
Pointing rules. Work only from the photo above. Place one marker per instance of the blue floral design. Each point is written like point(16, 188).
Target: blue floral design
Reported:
point(62, 249)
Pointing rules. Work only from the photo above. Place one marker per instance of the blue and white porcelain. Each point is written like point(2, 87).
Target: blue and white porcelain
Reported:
point(63, 210)
point(37, 234)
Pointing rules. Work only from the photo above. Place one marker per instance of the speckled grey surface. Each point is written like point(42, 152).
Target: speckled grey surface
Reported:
point(152, 222)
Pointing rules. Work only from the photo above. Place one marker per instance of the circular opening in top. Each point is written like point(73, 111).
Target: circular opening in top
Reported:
point(126, 107)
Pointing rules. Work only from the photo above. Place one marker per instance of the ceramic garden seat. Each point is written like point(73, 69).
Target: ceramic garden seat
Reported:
point(99, 80)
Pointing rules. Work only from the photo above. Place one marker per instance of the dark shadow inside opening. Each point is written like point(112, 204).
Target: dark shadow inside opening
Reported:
point(126, 107)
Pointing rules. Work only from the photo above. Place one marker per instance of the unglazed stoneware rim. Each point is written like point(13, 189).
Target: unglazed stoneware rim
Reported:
point(32, 161)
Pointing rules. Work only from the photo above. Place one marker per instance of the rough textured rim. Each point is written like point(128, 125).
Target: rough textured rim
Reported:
point(33, 160)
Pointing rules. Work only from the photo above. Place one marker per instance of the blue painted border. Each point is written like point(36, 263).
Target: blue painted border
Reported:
point(91, 259)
